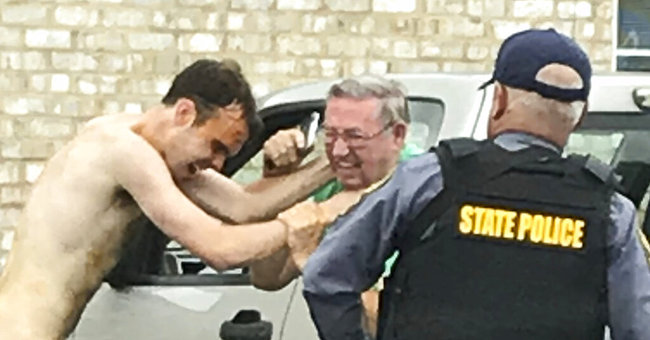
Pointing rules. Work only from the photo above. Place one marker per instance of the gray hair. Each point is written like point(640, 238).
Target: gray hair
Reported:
point(564, 77)
point(559, 76)
point(391, 93)
point(568, 113)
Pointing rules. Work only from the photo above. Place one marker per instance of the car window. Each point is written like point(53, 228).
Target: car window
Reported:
point(600, 143)
point(622, 141)
point(426, 119)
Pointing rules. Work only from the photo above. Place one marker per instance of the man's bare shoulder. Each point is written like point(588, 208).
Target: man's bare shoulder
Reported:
point(109, 128)
point(129, 153)
point(111, 134)
point(119, 141)
point(105, 146)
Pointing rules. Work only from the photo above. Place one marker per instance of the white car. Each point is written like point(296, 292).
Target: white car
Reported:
point(173, 296)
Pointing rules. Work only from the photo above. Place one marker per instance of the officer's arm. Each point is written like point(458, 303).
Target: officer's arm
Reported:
point(221, 197)
point(628, 274)
point(351, 256)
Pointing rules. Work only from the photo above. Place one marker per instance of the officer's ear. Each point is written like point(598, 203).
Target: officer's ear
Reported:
point(499, 101)
point(585, 109)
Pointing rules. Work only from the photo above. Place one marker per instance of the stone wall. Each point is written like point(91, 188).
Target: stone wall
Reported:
point(63, 62)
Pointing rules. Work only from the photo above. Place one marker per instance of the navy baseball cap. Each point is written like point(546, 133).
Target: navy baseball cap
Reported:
point(523, 54)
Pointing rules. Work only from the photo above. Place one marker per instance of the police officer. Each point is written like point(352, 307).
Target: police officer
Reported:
point(498, 239)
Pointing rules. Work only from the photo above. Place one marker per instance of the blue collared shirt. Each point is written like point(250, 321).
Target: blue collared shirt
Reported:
point(351, 256)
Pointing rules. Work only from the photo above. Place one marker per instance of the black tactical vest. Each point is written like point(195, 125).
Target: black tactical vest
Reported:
point(514, 247)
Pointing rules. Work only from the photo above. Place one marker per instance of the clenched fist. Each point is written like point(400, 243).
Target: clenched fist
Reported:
point(282, 151)
point(307, 220)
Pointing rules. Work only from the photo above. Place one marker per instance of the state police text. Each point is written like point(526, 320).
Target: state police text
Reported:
point(520, 226)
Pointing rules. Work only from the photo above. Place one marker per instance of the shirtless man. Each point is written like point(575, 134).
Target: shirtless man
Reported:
point(118, 167)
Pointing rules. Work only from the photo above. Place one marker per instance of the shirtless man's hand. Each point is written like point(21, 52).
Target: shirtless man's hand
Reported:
point(307, 220)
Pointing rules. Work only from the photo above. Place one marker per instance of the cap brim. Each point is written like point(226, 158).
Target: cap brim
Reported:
point(489, 82)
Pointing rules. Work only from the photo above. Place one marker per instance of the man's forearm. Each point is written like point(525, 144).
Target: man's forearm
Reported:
point(228, 246)
point(261, 200)
point(274, 272)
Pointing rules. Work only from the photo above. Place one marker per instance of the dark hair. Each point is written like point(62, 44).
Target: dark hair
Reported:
point(209, 83)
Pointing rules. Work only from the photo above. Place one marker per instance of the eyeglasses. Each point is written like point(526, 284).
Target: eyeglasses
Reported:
point(353, 138)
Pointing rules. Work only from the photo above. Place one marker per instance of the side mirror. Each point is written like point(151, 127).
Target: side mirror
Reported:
point(641, 98)
point(246, 325)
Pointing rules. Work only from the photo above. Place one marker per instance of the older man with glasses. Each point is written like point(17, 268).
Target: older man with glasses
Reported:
point(365, 127)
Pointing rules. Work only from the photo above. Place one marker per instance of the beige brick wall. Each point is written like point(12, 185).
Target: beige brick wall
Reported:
point(63, 62)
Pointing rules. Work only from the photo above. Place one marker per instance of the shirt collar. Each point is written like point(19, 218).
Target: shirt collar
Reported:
point(514, 141)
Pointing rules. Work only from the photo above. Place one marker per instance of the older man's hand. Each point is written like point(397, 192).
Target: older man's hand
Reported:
point(282, 152)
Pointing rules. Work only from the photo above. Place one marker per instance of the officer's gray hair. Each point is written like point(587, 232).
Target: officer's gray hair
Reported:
point(391, 93)
point(560, 76)
point(569, 113)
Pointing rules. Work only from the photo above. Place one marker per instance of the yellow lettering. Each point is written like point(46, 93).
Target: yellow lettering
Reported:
point(478, 219)
point(537, 232)
point(488, 223)
point(510, 224)
point(498, 227)
point(578, 232)
point(557, 222)
point(465, 225)
point(566, 232)
point(525, 223)
point(548, 228)
point(521, 226)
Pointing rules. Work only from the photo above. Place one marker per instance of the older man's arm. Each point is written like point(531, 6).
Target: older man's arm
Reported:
point(221, 197)
point(274, 272)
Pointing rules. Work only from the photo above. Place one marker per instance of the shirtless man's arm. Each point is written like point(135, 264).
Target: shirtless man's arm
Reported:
point(261, 200)
point(141, 171)
point(221, 246)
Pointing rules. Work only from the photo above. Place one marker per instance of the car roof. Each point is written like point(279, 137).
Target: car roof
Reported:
point(610, 92)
